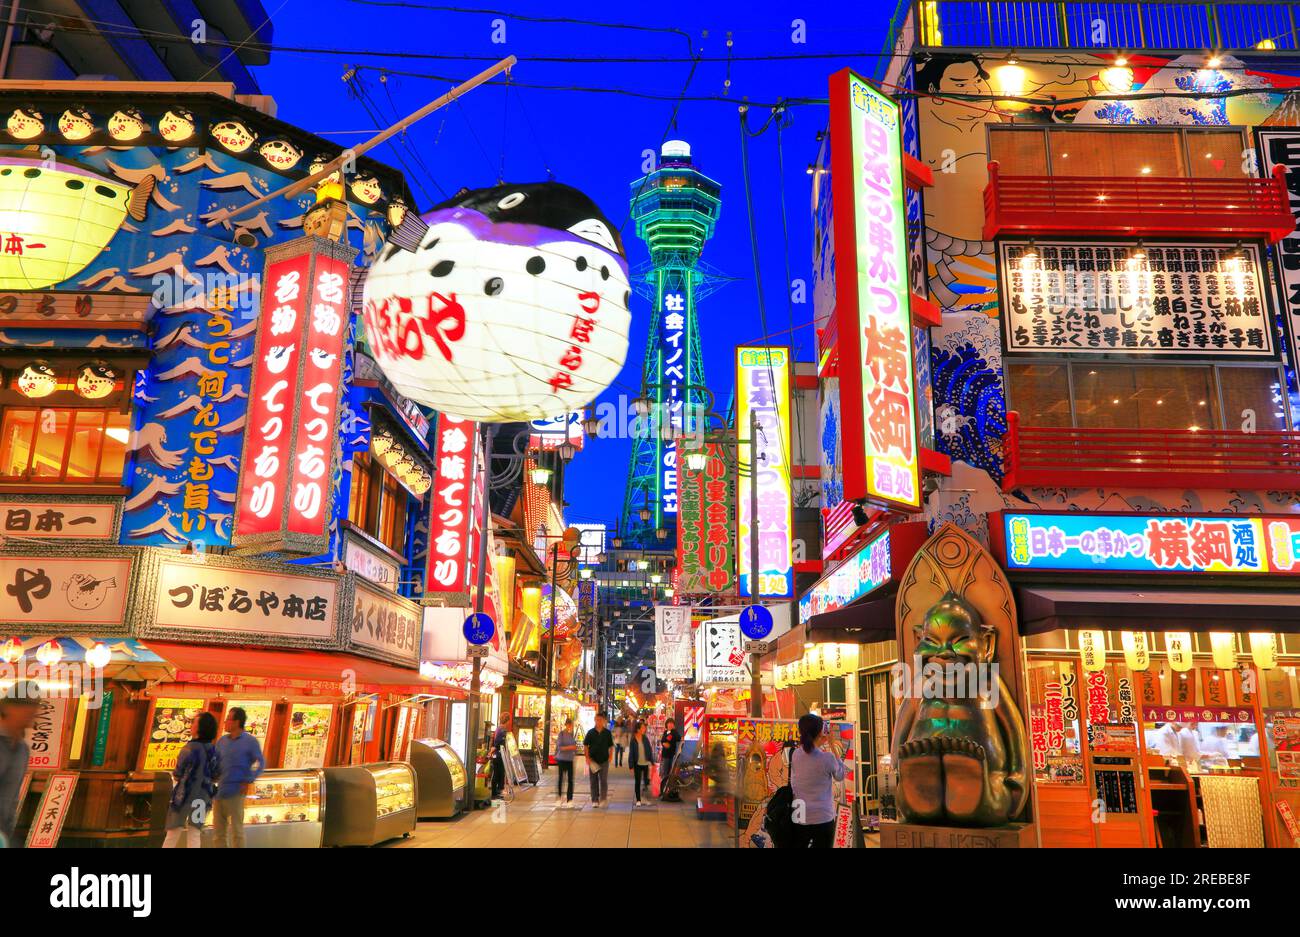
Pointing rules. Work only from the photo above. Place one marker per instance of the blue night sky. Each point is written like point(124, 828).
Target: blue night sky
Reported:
point(593, 140)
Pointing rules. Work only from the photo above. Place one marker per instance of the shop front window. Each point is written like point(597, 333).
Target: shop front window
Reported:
point(378, 503)
point(1096, 395)
point(1173, 153)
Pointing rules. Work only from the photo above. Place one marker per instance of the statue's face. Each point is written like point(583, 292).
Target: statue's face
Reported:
point(951, 635)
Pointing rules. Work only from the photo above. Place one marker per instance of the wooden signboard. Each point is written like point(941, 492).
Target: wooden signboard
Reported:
point(48, 821)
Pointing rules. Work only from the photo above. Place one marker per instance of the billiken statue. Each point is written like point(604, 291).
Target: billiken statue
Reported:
point(959, 754)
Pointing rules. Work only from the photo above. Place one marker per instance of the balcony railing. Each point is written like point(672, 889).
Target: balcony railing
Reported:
point(1139, 205)
point(1228, 25)
point(1148, 458)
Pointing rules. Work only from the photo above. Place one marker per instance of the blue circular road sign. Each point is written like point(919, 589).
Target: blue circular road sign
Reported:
point(479, 628)
point(756, 622)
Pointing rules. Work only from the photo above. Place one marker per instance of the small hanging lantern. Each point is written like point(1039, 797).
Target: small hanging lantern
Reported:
point(1136, 653)
point(1178, 648)
point(49, 653)
point(1263, 649)
point(177, 125)
point(1223, 646)
point(126, 124)
point(76, 124)
point(1092, 645)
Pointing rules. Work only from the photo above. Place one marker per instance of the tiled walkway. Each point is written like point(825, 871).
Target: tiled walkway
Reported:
point(533, 821)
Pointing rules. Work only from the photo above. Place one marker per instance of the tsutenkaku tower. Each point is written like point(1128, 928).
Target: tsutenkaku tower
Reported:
point(676, 210)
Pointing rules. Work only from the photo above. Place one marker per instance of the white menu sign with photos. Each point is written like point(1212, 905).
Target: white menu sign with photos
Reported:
point(1119, 298)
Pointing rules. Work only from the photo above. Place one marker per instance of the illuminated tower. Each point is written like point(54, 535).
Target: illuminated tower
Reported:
point(676, 210)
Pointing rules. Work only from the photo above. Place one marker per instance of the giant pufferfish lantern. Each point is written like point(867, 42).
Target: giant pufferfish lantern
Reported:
point(512, 307)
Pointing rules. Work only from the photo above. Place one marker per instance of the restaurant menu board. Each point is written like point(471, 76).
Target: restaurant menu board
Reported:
point(309, 731)
point(45, 735)
point(1284, 732)
point(258, 723)
point(515, 760)
point(169, 730)
point(358, 732)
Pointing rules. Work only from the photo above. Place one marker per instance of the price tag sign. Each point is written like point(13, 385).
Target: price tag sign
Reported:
point(479, 629)
point(756, 622)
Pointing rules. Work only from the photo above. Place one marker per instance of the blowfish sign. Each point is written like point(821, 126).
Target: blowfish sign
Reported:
point(881, 457)
point(513, 307)
point(285, 484)
point(763, 388)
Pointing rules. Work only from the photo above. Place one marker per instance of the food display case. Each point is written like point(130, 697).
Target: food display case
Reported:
point(440, 779)
point(283, 810)
point(369, 803)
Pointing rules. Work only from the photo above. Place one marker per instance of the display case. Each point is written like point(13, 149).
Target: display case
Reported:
point(369, 803)
point(440, 779)
point(283, 810)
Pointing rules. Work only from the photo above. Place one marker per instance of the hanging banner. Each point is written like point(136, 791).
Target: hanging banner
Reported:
point(881, 453)
point(450, 504)
point(1175, 299)
point(1282, 148)
point(47, 823)
point(720, 652)
point(706, 546)
point(763, 389)
point(44, 737)
point(674, 642)
point(1137, 543)
point(286, 480)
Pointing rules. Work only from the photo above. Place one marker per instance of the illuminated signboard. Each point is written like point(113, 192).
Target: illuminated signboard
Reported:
point(673, 367)
point(550, 434)
point(868, 569)
point(763, 389)
point(877, 382)
point(1281, 147)
point(286, 481)
point(591, 540)
point(1146, 543)
point(706, 546)
point(447, 568)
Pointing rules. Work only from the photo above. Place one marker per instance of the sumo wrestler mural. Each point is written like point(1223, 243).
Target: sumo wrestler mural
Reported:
point(121, 205)
point(958, 749)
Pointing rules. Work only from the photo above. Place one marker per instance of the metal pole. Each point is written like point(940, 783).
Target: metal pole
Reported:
point(480, 585)
point(550, 663)
point(755, 676)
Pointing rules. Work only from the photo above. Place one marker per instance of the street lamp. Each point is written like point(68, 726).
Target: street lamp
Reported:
point(566, 451)
point(585, 572)
point(591, 426)
point(540, 475)
point(697, 460)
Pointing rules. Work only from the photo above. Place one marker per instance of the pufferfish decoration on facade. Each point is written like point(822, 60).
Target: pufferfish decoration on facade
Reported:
point(127, 124)
point(512, 307)
point(25, 123)
point(280, 154)
point(234, 135)
point(176, 125)
point(96, 380)
point(76, 124)
point(37, 380)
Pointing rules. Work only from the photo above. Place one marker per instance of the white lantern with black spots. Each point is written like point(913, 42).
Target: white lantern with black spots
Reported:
point(96, 380)
point(37, 379)
point(513, 307)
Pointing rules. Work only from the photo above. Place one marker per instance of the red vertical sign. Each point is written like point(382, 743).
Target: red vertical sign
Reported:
point(451, 506)
point(285, 502)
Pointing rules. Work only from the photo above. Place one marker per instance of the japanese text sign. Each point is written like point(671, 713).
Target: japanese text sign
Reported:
point(284, 502)
point(868, 569)
point(763, 390)
point(706, 547)
point(1144, 543)
point(450, 505)
point(1282, 148)
point(674, 375)
point(878, 392)
point(50, 590)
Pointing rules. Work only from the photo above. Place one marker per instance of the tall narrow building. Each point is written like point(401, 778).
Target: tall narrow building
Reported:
point(676, 210)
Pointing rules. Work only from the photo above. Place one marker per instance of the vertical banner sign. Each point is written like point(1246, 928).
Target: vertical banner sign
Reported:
point(450, 505)
point(706, 549)
point(763, 388)
point(1282, 148)
point(674, 642)
point(877, 377)
point(672, 381)
point(285, 498)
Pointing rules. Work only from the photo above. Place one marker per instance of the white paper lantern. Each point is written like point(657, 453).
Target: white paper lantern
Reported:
point(513, 307)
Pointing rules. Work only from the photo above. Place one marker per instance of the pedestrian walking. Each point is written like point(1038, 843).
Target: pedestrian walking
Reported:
point(620, 741)
point(599, 745)
point(813, 773)
point(640, 757)
point(239, 763)
point(19, 707)
point(193, 784)
point(566, 749)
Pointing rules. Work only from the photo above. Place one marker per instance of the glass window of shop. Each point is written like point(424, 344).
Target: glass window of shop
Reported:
point(1119, 152)
point(63, 423)
point(1105, 395)
point(377, 502)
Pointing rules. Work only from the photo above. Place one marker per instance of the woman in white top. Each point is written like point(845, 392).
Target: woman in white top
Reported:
point(813, 773)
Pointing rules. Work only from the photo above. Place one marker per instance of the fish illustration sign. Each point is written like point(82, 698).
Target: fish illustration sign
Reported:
point(513, 307)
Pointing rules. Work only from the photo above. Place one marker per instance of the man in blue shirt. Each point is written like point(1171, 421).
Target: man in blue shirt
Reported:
point(239, 762)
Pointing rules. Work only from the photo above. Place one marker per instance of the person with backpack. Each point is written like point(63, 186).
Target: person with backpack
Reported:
point(193, 784)
point(813, 773)
point(640, 756)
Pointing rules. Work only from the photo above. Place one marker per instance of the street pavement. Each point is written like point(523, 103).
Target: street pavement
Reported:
point(532, 820)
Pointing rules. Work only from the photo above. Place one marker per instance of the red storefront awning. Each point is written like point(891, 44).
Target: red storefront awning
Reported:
point(321, 670)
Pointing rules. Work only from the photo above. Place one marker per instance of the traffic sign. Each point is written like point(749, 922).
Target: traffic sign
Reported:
point(758, 647)
point(477, 650)
point(479, 629)
point(756, 622)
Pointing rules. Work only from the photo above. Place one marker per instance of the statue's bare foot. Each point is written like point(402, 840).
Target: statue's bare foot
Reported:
point(920, 778)
point(965, 780)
